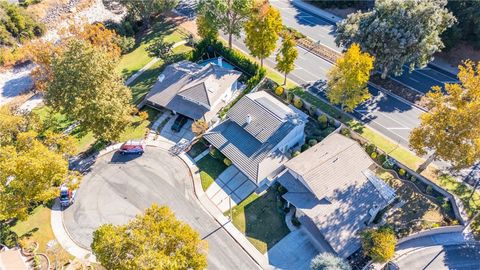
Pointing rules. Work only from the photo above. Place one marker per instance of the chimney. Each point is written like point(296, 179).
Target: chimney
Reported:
point(249, 119)
point(220, 61)
point(373, 213)
point(161, 77)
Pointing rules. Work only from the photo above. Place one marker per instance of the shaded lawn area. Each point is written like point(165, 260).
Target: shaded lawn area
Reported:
point(210, 168)
point(37, 228)
point(261, 219)
point(131, 62)
point(84, 139)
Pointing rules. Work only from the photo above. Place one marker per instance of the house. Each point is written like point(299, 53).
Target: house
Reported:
point(257, 134)
point(194, 90)
point(13, 259)
point(335, 193)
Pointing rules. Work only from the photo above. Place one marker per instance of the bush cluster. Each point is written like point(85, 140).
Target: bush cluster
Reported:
point(16, 25)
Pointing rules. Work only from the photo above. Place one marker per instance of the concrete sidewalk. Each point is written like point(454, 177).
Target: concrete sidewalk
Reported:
point(64, 239)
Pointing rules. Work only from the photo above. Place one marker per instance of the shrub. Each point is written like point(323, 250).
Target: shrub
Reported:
point(413, 178)
point(296, 153)
point(328, 261)
point(143, 115)
point(331, 122)
point(126, 44)
point(346, 132)
point(295, 221)
point(323, 120)
point(371, 148)
point(279, 91)
point(379, 244)
point(402, 172)
point(8, 237)
point(227, 162)
point(312, 110)
point(387, 165)
point(373, 155)
point(281, 189)
point(305, 147)
point(297, 102)
point(381, 158)
point(312, 142)
point(17, 25)
point(429, 190)
point(290, 97)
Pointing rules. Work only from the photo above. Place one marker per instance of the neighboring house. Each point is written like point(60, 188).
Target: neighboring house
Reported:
point(194, 90)
point(257, 134)
point(13, 259)
point(335, 192)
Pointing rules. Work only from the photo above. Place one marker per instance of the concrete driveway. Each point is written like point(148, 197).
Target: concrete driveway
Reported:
point(294, 251)
point(120, 187)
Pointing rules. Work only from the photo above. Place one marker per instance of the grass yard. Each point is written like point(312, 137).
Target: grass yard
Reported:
point(37, 228)
point(132, 62)
point(210, 168)
point(261, 219)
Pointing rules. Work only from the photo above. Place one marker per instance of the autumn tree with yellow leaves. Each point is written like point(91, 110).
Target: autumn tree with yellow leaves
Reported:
point(347, 80)
point(33, 163)
point(154, 240)
point(450, 130)
point(262, 30)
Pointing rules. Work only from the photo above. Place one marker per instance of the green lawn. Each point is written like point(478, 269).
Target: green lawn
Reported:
point(261, 219)
point(210, 169)
point(37, 228)
point(132, 62)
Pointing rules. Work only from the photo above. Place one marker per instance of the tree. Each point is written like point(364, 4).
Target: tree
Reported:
point(379, 244)
point(206, 27)
point(397, 32)
point(287, 56)
point(450, 128)
point(199, 127)
point(467, 27)
point(262, 30)
point(328, 261)
point(160, 48)
point(144, 10)
point(226, 15)
point(17, 25)
point(42, 52)
point(347, 80)
point(85, 87)
point(33, 163)
point(155, 240)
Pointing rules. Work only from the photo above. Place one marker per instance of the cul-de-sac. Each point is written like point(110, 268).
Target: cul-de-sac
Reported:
point(239, 134)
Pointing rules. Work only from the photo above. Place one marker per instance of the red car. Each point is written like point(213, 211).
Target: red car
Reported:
point(133, 147)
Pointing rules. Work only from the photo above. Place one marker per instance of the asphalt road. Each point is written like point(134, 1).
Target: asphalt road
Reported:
point(460, 257)
point(120, 187)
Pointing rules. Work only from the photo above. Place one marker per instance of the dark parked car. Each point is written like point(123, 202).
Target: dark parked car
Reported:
point(133, 147)
point(179, 122)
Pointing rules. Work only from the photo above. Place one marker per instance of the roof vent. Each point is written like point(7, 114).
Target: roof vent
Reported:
point(249, 119)
point(161, 77)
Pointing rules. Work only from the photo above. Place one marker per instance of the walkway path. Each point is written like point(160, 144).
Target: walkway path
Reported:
point(150, 64)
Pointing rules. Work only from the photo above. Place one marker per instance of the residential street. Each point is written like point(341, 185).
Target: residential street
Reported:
point(442, 257)
point(120, 187)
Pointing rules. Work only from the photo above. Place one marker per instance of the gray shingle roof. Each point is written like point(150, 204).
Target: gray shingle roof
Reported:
point(334, 171)
point(198, 86)
point(250, 146)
